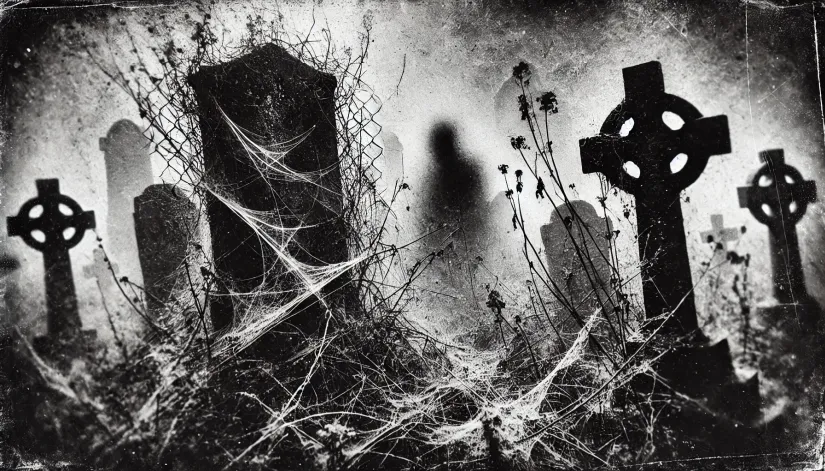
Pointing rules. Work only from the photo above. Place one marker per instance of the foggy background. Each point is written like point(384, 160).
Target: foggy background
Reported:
point(429, 63)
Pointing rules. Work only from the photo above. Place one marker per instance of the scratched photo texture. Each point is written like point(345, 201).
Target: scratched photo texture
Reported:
point(412, 235)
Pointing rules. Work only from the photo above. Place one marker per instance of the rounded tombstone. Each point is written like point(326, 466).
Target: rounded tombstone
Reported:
point(128, 172)
point(165, 226)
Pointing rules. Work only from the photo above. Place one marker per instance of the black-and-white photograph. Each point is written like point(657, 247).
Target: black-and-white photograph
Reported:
point(423, 235)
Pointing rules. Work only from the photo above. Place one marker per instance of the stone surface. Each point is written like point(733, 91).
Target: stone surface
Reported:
point(577, 249)
point(53, 223)
point(275, 96)
point(166, 229)
point(128, 173)
point(101, 271)
point(652, 146)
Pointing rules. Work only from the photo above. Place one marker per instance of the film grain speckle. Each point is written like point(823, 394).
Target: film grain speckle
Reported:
point(349, 235)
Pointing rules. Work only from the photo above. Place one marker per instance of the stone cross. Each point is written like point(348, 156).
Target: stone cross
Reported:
point(778, 197)
point(99, 270)
point(276, 98)
point(720, 234)
point(576, 229)
point(165, 224)
point(53, 223)
point(644, 162)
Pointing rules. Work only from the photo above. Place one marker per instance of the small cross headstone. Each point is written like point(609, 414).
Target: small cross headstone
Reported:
point(53, 223)
point(719, 234)
point(577, 246)
point(165, 224)
point(275, 96)
point(654, 160)
point(128, 172)
point(778, 197)
point(99, 270)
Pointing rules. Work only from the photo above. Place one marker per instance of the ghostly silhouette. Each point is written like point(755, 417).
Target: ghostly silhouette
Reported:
point(456, 187)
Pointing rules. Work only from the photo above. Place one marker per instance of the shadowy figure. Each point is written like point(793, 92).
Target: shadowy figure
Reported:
point(455, 187)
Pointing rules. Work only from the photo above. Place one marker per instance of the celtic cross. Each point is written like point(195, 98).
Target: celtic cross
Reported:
point(778, 197)
point(53, 223)
point(641, 153)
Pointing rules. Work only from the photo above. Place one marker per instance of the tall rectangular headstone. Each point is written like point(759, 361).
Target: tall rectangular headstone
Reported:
point(128, 172)
point(276, 97)
point(577, 247)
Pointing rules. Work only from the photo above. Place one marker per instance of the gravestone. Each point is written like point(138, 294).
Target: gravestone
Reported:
point(506, 102)
point(165, 228)
point(577, 247)
point(53, 223)
point(641, 153)
point(100, 271)
point(504, 242)
point(275, 96)
point(778, 197)
point(652, 147)
point(393, 153)
point(128, 172)
point(719, 234)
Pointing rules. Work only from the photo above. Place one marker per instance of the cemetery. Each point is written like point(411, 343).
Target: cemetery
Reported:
point(291, 252)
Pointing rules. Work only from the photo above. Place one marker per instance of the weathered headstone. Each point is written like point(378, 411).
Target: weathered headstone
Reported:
point(719, 234)
point(393, 153)
point(504, 239)
point(128, 172)
point(275, 96)
point(165, 227)
point(778, 197)
point(59, 226)
point(577, 248)
point(506, 102)
point(99, 270)
point(652, 148)
point(654, 160)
